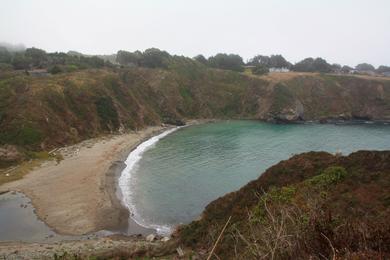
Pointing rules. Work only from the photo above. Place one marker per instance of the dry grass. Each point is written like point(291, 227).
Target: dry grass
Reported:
point(17, 172)
point(276, 77)
point(312, 206)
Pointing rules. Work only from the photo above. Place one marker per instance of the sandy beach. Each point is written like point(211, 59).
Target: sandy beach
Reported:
point(78, 195)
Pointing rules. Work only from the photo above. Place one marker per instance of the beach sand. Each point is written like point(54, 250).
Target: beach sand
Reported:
point(79, 194)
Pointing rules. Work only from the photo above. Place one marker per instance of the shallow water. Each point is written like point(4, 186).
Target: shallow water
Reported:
point(179, 175)
point(18, 220)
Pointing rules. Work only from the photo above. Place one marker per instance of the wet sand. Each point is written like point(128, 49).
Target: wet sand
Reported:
point(79, 195)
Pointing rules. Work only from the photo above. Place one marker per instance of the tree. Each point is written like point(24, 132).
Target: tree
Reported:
point(336, 67)
point(155, 58)
point(346, 69)
point(383, 69)
point(274, 61)
point(20, 61)
point(5, 55)
point(227, 62)
point(200, 58)
point(38, 57)
point(94, 61)
point(278, 61)
point(321, 65)
point(305, 65)
point(260, 70)
point(260, 60)
point(313, 65)
point(129, 58)
point(364, 67)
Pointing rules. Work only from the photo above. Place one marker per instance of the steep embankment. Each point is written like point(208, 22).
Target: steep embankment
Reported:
point(312, 205)
point(45, 112)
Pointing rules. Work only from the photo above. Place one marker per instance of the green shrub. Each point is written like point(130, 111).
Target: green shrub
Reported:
point(71, 68)
point(329, 176)
point(274, 196)
point(260, 70)
point(25, 135)
point(55, 69)
point(107, 113)
point(281, 195)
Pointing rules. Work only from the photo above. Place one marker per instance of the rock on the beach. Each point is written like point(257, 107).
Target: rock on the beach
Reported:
point(165, 239)
point(150, 238)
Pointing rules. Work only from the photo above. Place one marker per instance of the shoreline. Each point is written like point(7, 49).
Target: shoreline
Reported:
point(133, 228)
point(125, 193)
point(78, 196)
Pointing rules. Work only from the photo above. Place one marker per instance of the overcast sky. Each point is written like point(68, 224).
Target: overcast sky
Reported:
point(343, 31)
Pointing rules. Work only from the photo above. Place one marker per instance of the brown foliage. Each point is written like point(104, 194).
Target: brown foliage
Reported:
point(297, 209)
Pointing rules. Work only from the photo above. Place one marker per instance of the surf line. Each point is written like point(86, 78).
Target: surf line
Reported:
point(126, 178)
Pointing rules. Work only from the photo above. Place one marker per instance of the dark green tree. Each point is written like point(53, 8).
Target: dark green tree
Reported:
point(364, 67)
point(260, 70)
point(336, 67)
point(126, 58)
point(382, 69)
point(274, 61)
point(200, 58)
point(155, 58)
point(38, 57)
point(313, 65)
point(346, 69)
point(227, 62)
point(260, 60)
point(20, 61)
point(278, 61)
point(5, 55)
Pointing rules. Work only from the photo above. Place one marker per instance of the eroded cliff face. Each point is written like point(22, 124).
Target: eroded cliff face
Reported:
point(328, 97)
point(42, 113)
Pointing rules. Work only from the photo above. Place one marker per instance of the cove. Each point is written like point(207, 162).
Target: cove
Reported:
point(180, 174)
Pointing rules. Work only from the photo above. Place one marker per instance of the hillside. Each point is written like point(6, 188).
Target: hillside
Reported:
point(314, 205)
point(44, 112)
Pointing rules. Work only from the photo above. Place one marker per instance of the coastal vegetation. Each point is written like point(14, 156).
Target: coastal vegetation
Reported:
point(314, 205)
point(86, 96)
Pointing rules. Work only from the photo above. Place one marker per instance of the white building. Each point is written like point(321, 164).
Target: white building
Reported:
point(279, 70)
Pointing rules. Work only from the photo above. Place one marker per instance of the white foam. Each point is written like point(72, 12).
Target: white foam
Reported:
point(126, 178)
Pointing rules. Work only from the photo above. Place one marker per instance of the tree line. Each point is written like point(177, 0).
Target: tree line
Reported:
point(259, 64)
point(57, 62)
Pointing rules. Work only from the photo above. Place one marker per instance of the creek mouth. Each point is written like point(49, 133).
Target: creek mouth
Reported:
point(18, 222)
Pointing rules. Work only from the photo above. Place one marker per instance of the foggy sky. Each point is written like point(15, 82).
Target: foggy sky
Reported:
point(342, 31)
